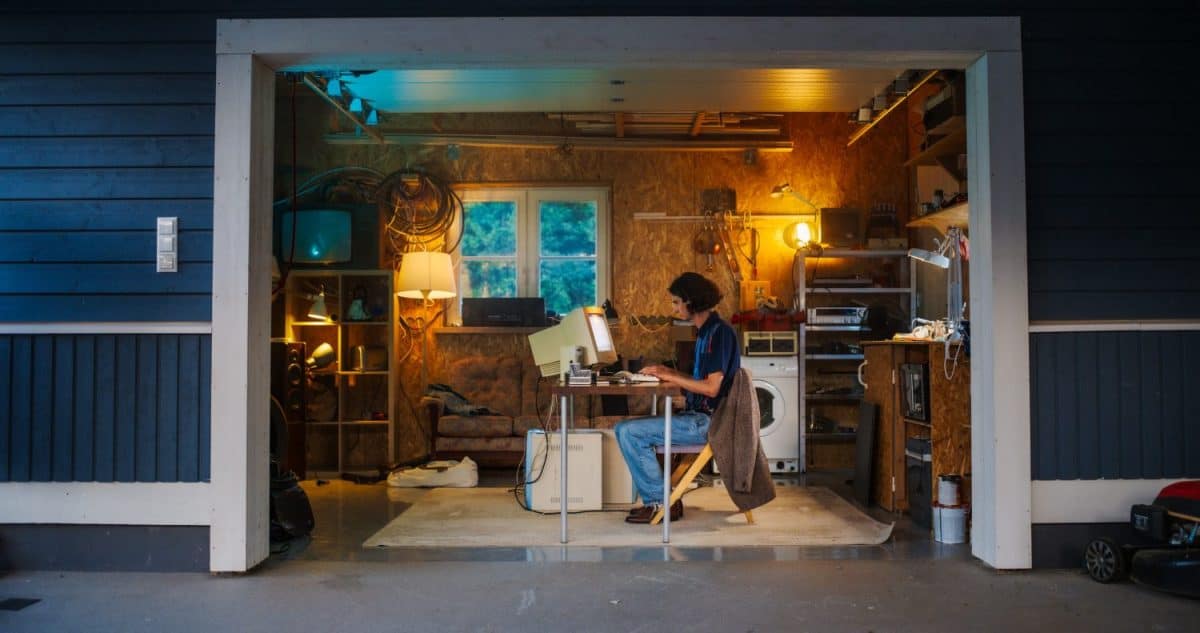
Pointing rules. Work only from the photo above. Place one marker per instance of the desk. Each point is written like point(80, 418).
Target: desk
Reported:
point(948, 427)
point(566, 395)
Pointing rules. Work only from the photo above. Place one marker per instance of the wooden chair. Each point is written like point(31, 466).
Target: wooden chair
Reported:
point(692, 459)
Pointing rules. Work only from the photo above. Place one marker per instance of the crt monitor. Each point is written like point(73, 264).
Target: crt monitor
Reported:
point(586, 328)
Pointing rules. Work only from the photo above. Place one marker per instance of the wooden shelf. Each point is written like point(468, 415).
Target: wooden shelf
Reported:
point(833, 397)
point(488, 330)
point(833, 356)
point(831, 436)
point(837, 328)
point(943, 219)
point(952, 144)
point(860, 252)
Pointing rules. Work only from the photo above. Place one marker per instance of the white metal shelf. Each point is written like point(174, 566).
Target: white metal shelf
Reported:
point(856, 291)
point(857, 252)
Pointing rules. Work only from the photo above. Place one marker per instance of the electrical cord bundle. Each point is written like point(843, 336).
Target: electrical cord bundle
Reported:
point(420, 207)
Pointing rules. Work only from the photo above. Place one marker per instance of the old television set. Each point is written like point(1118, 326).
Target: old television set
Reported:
point(583, 328)
point(914, 389)
point(321, 236)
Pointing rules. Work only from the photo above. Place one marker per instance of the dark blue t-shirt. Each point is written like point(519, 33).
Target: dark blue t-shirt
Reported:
point(717, 349)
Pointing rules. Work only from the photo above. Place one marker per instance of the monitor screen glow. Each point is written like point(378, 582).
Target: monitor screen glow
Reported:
point(584, 328)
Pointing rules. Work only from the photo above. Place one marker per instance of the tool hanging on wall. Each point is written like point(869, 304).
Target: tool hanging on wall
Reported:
point(707, 242)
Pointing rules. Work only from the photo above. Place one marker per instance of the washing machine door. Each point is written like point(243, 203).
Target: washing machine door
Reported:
point(772, 408)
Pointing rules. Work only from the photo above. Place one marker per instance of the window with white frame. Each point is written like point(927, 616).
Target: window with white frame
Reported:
point(536, 242)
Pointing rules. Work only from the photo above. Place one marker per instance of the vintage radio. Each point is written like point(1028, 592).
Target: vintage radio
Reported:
point(769, 343)
point(850, 315)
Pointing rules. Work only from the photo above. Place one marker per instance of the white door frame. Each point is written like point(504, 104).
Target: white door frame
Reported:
point(250, 51)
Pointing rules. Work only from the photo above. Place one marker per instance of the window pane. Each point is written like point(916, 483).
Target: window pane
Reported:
point(568, 284)
point(489, 228)
point(488, 278)
point(568, 228)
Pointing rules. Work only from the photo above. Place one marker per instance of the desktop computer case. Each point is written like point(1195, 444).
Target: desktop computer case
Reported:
point(584, 468)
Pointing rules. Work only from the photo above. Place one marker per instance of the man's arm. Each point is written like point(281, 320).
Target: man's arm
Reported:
point(709, 387)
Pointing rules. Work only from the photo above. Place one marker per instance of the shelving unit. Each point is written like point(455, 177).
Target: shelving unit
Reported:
point(832, 352)
point(350, 412)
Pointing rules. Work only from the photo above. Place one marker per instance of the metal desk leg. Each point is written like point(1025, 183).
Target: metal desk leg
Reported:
point(667, 473)
point(565, 403)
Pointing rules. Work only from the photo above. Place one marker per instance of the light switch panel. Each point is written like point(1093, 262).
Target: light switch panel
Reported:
point(168, 226)
point(167, 263)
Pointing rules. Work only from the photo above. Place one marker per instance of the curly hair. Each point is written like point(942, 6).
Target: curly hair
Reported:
point(697, 291)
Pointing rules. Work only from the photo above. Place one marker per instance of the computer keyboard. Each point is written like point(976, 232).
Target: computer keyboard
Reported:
point(625, 376)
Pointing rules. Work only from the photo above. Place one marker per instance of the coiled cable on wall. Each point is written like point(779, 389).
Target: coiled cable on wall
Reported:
point(420, 208)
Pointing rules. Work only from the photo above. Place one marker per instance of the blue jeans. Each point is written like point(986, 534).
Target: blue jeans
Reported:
point(638, 437)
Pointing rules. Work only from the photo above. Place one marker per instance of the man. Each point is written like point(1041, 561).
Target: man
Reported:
point(716, 360)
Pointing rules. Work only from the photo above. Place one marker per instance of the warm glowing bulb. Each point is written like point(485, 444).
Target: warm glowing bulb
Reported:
point(798, 235)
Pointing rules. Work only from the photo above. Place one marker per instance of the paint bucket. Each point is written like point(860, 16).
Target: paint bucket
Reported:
point(948, 486)
point(949, 524)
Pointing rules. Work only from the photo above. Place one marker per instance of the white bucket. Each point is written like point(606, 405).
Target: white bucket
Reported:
point(949, 524)
point(948, 486)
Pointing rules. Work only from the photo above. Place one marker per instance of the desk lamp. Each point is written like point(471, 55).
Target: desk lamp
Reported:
point(947, 256)
point(799, 237)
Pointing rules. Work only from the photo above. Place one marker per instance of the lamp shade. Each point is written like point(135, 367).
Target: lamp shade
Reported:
point(318, 310)
point(929, 257)
point(425, 275)
point(798, 235)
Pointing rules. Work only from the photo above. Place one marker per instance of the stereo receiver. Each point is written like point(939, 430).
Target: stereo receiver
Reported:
point(851, 315)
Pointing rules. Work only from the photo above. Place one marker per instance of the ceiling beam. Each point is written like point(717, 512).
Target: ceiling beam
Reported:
point(536, 141)
point(312, 82)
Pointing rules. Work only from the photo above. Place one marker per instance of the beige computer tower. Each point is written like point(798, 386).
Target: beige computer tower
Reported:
point(618, 483)
point(584, 485)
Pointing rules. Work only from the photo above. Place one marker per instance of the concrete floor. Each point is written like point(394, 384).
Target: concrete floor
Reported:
point(331, 584)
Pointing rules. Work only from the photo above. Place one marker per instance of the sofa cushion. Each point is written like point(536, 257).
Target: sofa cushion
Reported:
point(470, 444)
point(475, 425)
point(491, 382)
point(523, 424)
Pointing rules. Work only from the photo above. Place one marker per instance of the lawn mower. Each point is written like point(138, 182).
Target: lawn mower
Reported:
point(1168, 559)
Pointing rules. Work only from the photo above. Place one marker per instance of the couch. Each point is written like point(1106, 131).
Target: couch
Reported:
point(517, 401)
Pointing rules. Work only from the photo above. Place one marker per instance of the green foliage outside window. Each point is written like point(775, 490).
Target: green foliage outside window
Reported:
point(567, 252)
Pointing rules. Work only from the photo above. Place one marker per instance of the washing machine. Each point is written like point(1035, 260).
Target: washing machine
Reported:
point(777, 385)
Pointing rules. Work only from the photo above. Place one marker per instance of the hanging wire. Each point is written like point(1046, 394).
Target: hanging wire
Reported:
point(421, 210)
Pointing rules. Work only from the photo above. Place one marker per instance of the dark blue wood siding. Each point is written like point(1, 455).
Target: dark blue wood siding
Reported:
point(1115, 405)
point(106, 122)
point(104, 407)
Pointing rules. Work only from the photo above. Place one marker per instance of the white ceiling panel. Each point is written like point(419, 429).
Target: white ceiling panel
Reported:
point(579, 90)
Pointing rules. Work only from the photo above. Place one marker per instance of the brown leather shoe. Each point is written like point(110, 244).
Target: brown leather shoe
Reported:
point(645, 514)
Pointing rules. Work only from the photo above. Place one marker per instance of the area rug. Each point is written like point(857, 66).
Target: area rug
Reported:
point(489, 517)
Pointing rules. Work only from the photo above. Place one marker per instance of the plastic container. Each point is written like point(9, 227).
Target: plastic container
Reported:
point(948, 487)
point(950, 524)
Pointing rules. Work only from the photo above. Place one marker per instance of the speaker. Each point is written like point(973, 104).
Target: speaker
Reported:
point(289, 385)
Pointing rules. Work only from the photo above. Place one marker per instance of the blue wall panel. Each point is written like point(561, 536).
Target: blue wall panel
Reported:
point(104, 407)
point(1115, 405)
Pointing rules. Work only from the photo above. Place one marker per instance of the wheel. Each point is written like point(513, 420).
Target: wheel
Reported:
point(1105, 561)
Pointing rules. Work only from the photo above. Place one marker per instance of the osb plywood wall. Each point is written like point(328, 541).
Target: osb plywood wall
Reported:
point(646, 255)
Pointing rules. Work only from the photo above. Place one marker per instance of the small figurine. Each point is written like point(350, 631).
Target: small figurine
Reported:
point(358, 307)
